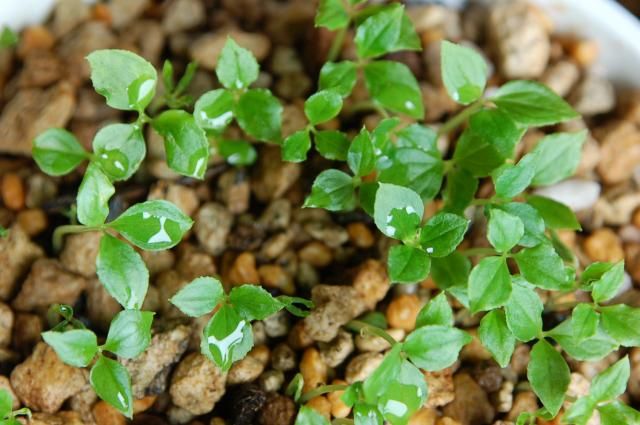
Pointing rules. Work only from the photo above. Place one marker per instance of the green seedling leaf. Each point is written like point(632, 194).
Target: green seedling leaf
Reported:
point(8, 38)
point(584, 321)
point(122, 272)
point(403, 396)
point(618, 413)
point(308, 416)
point(443, 233)
point(199, 297)
point(390, 197)
point(548, 375)
point(622, 323)
point(57, 152)
point(436, 312)
point(237, 152)
point(252, 302)
point(186, 79)
point(415, 136)
point(332, 15)
point(296, 146)
point(460, 190)
point(119, 150)
point(488, 141)
point(76, 347)
point(259, 114)
point(580, 411)
point(360, 156)
point(388, 371)
point(185, 143)
point(227, 337)
point(112, 383)
point(339, 77)
point(496, 336)
point(554, 214)
point(6, 403)
point(594, 272)
point(332, 190)
point(419, 170)
point(543, 267)
point(405, 223)
point(388, 30)
point(557, 157)
point(93, 197)
point(609, 283)
point(332, 144)
point(367, 196)
point(323, 106)
point(294, 389)
point(489, 284)
point(524, 311)
point(532, 104)
point(237, 68)
point(153, 225)
point(126, 80)
point(367, 415)
point(129, 333)
point(593, 348)
point(451, 273)
point(435, 347)
point(291, 305)
point(612, 382)
point(392, 85)
point(504, 230)
point(3, 232)
point(407, 264)
point(213, 111)
point(464, 72)
point(534, 228)
point(168, 79)
point(511, 180)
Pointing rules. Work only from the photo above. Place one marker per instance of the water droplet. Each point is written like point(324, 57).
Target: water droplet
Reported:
point(395, 407)
point(225, 344)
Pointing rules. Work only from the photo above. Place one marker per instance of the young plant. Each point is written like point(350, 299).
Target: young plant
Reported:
point(228, 335)
point(7, 414)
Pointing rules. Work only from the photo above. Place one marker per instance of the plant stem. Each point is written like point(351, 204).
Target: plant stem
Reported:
point(322, 390)
point(457, 120)
point(62, 231)
point(359, 325)
point(478, 251)
point(336, 44)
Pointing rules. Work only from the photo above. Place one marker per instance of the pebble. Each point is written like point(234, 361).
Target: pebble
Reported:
point(334, 307)
point(277, 215)
point(321, 405)
point(13, 192)
point(371, 282)
point(123, 12)
point(373, 343)
point(561, 77)
point(33, 221)
point(101, 307)
point(441, 387)
point(272, 380)
point(194, 263)
point(7, 319)
point(35, 38)
point(274, 276)
point(243, 270)
point(620, 152)
point(278, 410)
point(403, 311)
point(17, 253)
point(327, 232)
point(474, 351)
point(26, 332)
point(183, 197)
point(470, 404)
point(316, 253)
point(158, 261)
point(67, 15)
point(207, 48)
point(313, 369)
point(503, 400)
point(249, 368)
point(338, 408)
point(60, 418)
point(48, 283)
point(593, 95)
point(105, 414)
point(283, 358)
point(603, 245)
point(150, 370)
point(197, 384)
point(360, 235)
point(43, 382)
point(80, 252)
point(183, 15)
point(362, 366)
point(271, 177)
point(234, 190)
point(577, 194)
point(525, 401)
point(424, 416)
point(212, 226)
point(89, 36)
point(520, 39)
point(277, 325)
point(337, 350)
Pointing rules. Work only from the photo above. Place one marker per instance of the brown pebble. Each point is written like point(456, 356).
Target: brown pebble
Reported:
point(321, 405)
point(274, 276)
point(338, 408)
point(424, 416)
point(13, 193)
point(603, 245)
point(35, 38)
point(105, 414)
point(402, 312)
point(142, 404)
point(102, 13)
point(313, 369)
point(33, 221)
point(244, 270)
point(360, 235)
point(316, 253)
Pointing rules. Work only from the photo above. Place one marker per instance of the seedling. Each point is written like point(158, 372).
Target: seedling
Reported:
point(391, 172)
point(7, 414)
point(8, 38)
